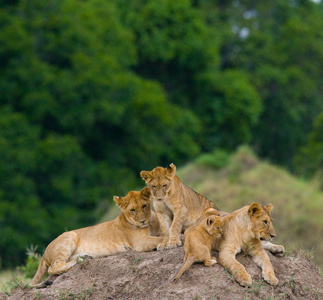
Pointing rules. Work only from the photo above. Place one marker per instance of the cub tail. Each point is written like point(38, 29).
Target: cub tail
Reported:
point(190, 260)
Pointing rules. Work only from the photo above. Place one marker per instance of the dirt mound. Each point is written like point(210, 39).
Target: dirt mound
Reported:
point(148, 275)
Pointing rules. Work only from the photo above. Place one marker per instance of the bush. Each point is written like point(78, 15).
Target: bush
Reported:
point(216, 159)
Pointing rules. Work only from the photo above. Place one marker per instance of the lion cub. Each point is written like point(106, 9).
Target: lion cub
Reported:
point(244, 230)
point(128, 231)
point(177, 206)
point(198, 242)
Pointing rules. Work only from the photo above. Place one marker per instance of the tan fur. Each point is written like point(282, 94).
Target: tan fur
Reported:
point(177, 206)
point(128, 231)
point(198, 242)
point(243, 230)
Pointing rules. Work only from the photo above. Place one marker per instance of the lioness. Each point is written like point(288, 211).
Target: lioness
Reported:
point(177, 206)
point(244, 229)
point(128, 231)
point(198, 243)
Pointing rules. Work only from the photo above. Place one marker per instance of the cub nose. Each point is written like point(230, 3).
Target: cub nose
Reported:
point(272, 235)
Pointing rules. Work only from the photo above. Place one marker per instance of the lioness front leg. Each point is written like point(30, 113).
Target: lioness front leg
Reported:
point(239, 273)
point(261, 258)
point(148, 243)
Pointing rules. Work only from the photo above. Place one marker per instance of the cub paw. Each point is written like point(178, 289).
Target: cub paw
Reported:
point(173, 244)
point(244, 280)
point(210, 262)
point(271, 279)
point(162, 246)
point(279, 249)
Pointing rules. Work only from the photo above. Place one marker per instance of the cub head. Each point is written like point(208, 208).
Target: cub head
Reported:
point(213, 226)
point(159, 181)
point(262, 223)
point(135, 207)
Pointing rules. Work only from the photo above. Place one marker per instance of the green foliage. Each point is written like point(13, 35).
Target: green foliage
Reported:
point(216, 159)
point(310, 158)
point(33, 259)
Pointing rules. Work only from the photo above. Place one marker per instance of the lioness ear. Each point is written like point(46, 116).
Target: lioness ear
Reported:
point(268, 207)
point(145, 175)
point(254, 209)
point(145, 193)
point(171, 169)
point(120, 201)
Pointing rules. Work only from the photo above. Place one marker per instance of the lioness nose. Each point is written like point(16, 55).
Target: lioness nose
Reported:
point(272, 235)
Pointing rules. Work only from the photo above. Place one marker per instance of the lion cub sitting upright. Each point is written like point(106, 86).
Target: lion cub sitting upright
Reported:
point(177, 206)
point(128, 231)
point(198, 243)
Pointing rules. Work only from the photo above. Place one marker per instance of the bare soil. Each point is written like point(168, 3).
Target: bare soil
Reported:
point(149, 275)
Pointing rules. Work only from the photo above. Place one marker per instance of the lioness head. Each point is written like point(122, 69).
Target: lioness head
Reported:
point(159, 181)
point(135, 207)
point(262, 223)
point(213, 226)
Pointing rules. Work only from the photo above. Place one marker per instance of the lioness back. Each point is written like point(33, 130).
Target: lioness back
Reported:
point(130, 230)
point(177, 206)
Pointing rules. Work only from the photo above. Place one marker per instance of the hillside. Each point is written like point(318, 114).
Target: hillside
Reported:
point(148, 275)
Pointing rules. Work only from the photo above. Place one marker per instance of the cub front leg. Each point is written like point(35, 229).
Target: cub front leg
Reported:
point(176, 228)
point(227, 259)
point(261, 258)
point(164, 223)
point(273, 248)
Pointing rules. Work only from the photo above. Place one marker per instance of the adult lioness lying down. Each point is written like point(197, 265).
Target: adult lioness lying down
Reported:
point(130, 230)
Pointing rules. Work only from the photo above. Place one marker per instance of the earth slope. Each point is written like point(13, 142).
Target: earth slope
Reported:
point(148, 275)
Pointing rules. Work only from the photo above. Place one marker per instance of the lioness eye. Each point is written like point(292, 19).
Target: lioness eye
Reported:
point(132, 210)
point(164, 186)
point(217, 228)
point(154, 187)
point(266, 222)
point(144, 206)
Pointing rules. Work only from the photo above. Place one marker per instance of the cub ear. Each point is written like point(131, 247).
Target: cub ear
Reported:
point(120, 201)
point(145, 175)
point(209, 221)
point(268, 207)
point(145, 193)
point(171, 169)
point(254, 209)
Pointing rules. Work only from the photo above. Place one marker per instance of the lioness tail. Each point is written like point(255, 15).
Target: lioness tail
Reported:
point(42, 268)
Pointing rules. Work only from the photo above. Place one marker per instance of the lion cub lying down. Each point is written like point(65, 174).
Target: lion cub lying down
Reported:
point(128, 231)
point(198, 242)
point(244, 229)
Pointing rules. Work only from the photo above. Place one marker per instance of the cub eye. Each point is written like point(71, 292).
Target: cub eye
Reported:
point(154, 187)
point(133, 210)
point(265, 222)
point(217, 228)
point(144, 206)
point(164, 186)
